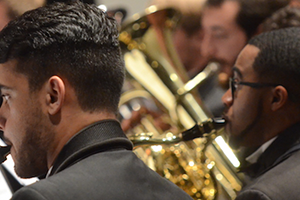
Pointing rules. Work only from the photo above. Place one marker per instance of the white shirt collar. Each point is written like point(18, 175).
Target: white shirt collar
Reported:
point(49, 172)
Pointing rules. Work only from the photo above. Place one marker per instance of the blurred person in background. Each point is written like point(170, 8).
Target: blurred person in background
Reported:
point(10, 9)
point(229, 24)
point(188, 39)
point(187, 36)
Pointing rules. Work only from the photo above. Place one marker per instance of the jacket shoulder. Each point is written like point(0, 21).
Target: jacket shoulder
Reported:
point(279, 182)
point(28, 193)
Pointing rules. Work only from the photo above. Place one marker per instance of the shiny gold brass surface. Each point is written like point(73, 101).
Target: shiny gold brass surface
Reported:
point(157, 80)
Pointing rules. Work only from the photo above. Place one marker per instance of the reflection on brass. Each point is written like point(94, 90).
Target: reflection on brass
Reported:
point(157, 80)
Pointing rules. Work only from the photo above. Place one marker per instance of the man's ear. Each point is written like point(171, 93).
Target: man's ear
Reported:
point(55, 94)
point(280, 97)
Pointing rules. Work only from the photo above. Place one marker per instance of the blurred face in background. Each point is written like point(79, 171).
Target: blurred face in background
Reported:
point(223, 38)
point(188, 47)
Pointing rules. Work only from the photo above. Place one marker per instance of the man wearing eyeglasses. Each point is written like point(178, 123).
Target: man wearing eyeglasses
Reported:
point(263, 111)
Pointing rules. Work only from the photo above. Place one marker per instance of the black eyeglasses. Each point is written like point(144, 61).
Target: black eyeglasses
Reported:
point(1, 99)
point(233, 84)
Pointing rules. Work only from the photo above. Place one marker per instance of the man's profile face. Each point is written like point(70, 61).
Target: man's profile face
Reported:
point(223, 38)
point(23, 122)
point(246, 113)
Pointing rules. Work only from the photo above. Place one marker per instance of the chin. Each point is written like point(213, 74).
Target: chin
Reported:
point(234, 142)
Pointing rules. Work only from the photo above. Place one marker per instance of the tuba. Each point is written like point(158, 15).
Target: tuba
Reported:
point(191, 157)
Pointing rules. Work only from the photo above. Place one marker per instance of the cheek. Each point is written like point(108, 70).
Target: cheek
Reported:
point(15, 125)
point(231, 46)
point(15, 132)
point(243, 111)
point(233, 52)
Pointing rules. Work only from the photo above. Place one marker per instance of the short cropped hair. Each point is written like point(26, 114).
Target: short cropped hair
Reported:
point(75, 41)
point(278, 60)
point(252, 12)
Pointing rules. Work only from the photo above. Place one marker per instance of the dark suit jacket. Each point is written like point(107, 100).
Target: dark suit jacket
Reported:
point(276, 176)
point(98, 164)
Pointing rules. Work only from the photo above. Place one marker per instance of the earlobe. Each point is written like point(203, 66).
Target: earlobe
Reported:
point(280, 97)
point(55, 94)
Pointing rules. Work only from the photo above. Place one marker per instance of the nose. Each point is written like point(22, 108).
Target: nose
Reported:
point(227, 98)
point(208, 49)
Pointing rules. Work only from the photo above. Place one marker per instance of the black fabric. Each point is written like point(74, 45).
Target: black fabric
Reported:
point(104, 135)
point(277, 152)
point(98, 163)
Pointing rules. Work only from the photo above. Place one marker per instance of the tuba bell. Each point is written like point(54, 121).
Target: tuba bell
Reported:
point(157, 80)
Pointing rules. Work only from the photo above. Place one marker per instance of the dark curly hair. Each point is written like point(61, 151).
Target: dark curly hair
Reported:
point(76, 41)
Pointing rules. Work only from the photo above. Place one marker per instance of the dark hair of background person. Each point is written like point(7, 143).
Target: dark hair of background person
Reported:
point(65, 1)
point(278, 60)
point(252, 12)
point(190, 23)
point(80, 49)
point(283, 18)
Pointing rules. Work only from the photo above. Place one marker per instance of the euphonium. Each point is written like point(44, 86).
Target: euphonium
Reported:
point(157, 80)
point(200, 130)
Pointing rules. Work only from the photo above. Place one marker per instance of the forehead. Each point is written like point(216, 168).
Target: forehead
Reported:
point(221, 17)
point(244, 63)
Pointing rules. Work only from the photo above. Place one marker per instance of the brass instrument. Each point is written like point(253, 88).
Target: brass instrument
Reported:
point(156, 79)
point(198, 131)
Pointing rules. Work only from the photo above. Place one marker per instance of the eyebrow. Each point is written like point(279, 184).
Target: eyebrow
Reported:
point(235, 69)
point(4, 87)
